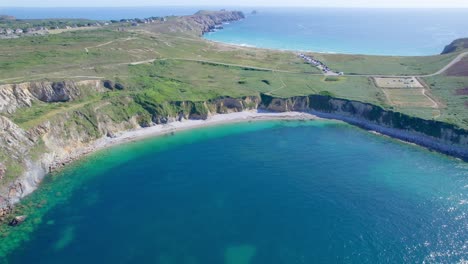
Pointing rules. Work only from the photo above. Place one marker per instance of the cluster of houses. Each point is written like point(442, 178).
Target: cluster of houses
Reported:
point(41, 30)
point(11, 33)
point(137, 21)
point(319, 65)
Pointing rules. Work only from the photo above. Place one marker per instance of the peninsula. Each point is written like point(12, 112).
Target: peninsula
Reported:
point(65, 94)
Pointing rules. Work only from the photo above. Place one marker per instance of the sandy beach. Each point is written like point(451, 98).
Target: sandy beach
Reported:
point(52, 162)
point(218, 119)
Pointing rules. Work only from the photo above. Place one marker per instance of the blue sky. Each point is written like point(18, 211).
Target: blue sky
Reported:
point(321, 3)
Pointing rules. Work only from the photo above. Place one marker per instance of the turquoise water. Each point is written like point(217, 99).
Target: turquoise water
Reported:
point(259, 193)
point(355, 31)
point(409, 32)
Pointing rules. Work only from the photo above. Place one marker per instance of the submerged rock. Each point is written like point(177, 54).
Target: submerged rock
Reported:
point(17, 220)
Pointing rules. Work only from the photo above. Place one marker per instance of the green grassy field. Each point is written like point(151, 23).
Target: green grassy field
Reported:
point(174, 63)
point(444, 88)
point(386, 65)
point(31, 23)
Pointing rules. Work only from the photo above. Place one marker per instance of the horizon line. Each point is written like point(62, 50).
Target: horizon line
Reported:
point(249, 6)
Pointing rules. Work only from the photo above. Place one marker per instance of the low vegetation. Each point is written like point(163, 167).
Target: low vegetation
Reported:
point(157, 64)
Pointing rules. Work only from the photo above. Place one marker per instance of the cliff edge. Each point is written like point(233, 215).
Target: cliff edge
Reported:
point(456, 45)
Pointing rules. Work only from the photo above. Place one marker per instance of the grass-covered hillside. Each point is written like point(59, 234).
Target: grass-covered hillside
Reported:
point(60, 92)
point(167, 60)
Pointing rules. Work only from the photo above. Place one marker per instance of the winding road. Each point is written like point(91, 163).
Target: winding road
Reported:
point(453, 62)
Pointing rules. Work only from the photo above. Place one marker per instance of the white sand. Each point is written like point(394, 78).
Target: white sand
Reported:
point(36, 172)
point(157, 130)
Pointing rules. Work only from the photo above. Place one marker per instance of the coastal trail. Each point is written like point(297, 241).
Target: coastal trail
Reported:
point(107, 43)
point(446, 67)
point(439, 72)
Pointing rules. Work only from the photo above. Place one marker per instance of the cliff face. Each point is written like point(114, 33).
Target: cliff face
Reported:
point(14, 96)
point(71, 134)
point(207, 21)
point(456, 45)
point(439, 136)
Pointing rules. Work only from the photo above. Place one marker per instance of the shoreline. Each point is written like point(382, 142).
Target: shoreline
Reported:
point(189, 124)
point(51, 163)
point(252, 46)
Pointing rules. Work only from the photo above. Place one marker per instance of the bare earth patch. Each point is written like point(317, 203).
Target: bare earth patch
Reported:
point(462, 91)
point(408, 97)
point(388, 82)
point(458, 69)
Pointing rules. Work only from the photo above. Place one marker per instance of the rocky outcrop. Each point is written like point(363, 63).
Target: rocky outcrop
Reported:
point(14, 96)
point(70, 135)
point(456, 45)
point(435, 135)
point(111, 85)
point(18, 220)
point(174, 111)
point(207, 20)
point(2, 171)
point(14, 140)
point(16, 144)
point(5, 208)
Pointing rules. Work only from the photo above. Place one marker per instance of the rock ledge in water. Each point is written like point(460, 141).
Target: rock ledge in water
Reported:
point(17, 220)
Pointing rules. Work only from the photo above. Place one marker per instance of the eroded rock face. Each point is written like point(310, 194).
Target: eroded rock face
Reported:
point(14, 96)
point(2, 171)
point(54, 92)
point(18, 220)
point(5, 207)
point(456, 45)
point(207, 21)
point(436, 135)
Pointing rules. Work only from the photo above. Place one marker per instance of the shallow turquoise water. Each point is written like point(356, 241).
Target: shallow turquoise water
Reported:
point(408, 32)
point(266, 192)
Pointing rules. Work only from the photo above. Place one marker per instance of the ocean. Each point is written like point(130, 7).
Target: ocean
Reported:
point(405, 32)
point(97, 13)
point(398, 32)
point(259, 193)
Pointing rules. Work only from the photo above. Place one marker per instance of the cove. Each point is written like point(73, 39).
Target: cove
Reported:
point(261, 192)
point(369, 31)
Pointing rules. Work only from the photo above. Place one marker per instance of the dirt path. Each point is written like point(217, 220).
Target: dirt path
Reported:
point(217, 63)
point(21, 79)
point(107, 43)
point(283, 84)
point(453, 62)
point(446, 67)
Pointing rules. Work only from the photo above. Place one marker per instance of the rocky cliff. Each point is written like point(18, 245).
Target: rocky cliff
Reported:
point(207, 20)
point(435, 135)
point(27, 155)
point(14, 96)
point(71, 134)
point(456, 45)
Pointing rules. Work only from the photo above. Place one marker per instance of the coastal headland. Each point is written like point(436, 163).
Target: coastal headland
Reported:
point(65, 95)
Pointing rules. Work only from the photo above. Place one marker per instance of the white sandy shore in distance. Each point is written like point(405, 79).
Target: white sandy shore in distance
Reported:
point(217, 119)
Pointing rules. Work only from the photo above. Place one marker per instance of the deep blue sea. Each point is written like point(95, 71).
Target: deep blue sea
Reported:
point(250, 193)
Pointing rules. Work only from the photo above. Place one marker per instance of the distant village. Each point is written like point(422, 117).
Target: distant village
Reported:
point(324, 68)
point(13, 28)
